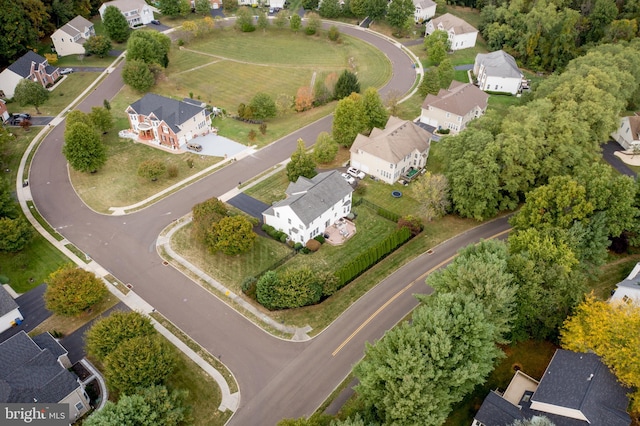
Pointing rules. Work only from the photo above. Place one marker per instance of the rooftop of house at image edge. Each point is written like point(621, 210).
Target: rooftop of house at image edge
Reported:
point(7, 303)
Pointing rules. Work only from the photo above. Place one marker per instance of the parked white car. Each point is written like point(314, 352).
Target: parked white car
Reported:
point(356, 173)
point(66, 71)
point(350, 179)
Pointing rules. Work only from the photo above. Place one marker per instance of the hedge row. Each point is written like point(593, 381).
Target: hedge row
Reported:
point(274, 233)
point(373, 255)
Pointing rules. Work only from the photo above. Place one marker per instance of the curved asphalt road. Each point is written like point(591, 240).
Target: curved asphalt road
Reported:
point(277, 378)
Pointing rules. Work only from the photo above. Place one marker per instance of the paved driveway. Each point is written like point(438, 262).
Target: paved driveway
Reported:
point(31, 305)
point(608, 151)
point(249, 205)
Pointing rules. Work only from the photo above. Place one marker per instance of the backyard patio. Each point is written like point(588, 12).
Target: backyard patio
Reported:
point(340, 232)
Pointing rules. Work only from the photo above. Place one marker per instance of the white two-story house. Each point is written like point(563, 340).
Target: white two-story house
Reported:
point(454, 107)
point(137, 12)
point(311, 206)
point(167, 121)
point(497, 72)
point(391, 152)
point(628, 133)
point(461, 34)
point(70, 38)
point(425, 9)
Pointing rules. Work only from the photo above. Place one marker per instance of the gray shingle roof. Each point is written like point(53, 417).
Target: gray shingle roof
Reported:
point(459, 98)
point(76, 26)
point(30, 372)
point(171, 111)
point(7, 304)
point(46, 341)
point(499, 64)
point(424, 4)
point(398, 139)
point(579, 381)
point(22, 66)
point(309, 198)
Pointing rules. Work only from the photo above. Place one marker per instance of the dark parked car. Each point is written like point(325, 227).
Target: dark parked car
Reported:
point(155, 22)
point(23, 115)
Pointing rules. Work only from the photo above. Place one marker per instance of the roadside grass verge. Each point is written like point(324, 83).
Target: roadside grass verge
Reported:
point(31, 266)
point(63, 326)
point(84, 61)
point(61, 96)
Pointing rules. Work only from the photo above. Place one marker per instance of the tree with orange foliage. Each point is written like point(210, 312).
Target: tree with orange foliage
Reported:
point(304, 99)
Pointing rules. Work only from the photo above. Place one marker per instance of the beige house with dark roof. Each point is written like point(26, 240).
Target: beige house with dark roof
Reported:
point(70, 38)
point(461, 34)
point(628, 133)
point(454, 107)
point(391, 152)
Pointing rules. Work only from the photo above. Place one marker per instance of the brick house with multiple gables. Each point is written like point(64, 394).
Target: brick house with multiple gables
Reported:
point(311, 206)
point(31, 66)
point(389, 153)
point(455, 107)
point(167, 121)
point(70, 38)
point(576, 389)
point(461, 34)
point(36, 370)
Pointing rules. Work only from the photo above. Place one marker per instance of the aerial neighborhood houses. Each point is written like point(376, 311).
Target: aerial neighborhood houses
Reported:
point(455, 107)
point(69, 39)
point(279, 4)
point(31, 66)
point(137, 12)
point(425, 9)
point(628, 134)
point(498, 72)
point(576, 389)
point(400, 149)
point(461, 34)
point(311, 206)
point(167, 121)
point(36, 370)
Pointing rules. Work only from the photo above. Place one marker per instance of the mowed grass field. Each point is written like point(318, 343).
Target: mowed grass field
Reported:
point(229, 67)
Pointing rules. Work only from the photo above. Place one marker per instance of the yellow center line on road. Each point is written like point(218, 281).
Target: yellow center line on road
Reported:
point(398, 294)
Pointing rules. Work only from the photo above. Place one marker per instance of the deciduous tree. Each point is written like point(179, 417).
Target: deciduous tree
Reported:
point(432, 192)
point(437, 45)
point(141, 361)
point(375, 9)
point(98, 45)
point(263, 22)
point(15, 234)
point(348, 121)
point(101, 119)
point(202, 7)
point(430, 82)
point(29, 92)
point(330, 9)
point(18, 35)
point(304, 99)
point(325, 148)
point(83, 148)
point(295, 23)
point(418, 370)
point(115, 24)
point(263, 106)
point(71, 290)
point(147, 407)
point(281, 19)
point(138, 75)
point(152, 169)
point(231, 235)
point(313, 23)
point(373, 109)
point(301, 163)
point(149, 47)
point(244, 20)
point(106, 334)
point(399, 14)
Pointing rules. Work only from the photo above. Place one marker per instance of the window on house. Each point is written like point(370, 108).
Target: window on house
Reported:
point(79, 406)
point(277, 214)
point(289, 221)
point(626, 299)
point(448, 115)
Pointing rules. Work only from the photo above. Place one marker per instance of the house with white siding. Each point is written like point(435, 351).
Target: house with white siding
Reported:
point(497, 72)
point(9, 311)
point(628, 133)
point(137, 12)
point(311, 206)
point(461, 34)
point(425, 9)
point(455, 107)
point(628, 290)
point(167, 121)
point(70, 38)
point(389, 153)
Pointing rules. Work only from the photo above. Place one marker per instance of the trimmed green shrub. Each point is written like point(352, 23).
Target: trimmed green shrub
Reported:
point(248, 286)
point(293, 288)
point(320, 238)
